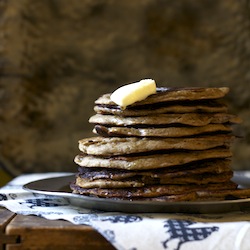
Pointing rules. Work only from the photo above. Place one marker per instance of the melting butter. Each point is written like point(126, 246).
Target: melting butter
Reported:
point(134, 92)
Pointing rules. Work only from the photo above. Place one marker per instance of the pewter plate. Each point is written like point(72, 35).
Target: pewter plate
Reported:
point(59, 186)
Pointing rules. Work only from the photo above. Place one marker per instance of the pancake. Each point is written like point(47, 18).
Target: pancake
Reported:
point(229, 192)
point(141, 181)
point(188, 196)
point(206, 195)
point(151, 161)
point(173, 94)
point(192, 196)
point(132, 145)
point(218, 166)
point(196, 179)
point(191, 119)
point(163, 108)
point(161, 132)
point(151, 190)
point(126, 183)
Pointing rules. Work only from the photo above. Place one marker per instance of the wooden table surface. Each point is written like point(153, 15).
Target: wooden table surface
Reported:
point(19, 232)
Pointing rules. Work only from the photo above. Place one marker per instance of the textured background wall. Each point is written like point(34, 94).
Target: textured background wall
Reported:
point(58, 56)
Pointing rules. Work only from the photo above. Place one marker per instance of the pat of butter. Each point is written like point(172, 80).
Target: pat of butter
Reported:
point(134, 92)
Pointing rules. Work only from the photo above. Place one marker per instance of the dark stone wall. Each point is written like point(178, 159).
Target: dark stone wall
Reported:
point(58, 56)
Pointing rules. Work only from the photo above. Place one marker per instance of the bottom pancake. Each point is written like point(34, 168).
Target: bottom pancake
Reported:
point(150, 190)
point(224, 194)
point(211, 193)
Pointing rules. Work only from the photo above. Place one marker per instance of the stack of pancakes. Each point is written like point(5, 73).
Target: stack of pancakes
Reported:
point(172, 146)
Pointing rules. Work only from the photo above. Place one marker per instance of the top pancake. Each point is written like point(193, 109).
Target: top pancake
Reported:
point(173, 94)
point(199, 106)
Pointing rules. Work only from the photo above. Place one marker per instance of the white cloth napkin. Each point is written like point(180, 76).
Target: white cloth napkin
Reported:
point(229, 231)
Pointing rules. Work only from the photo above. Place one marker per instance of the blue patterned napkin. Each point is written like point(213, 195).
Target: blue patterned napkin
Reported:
point(229, 231)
